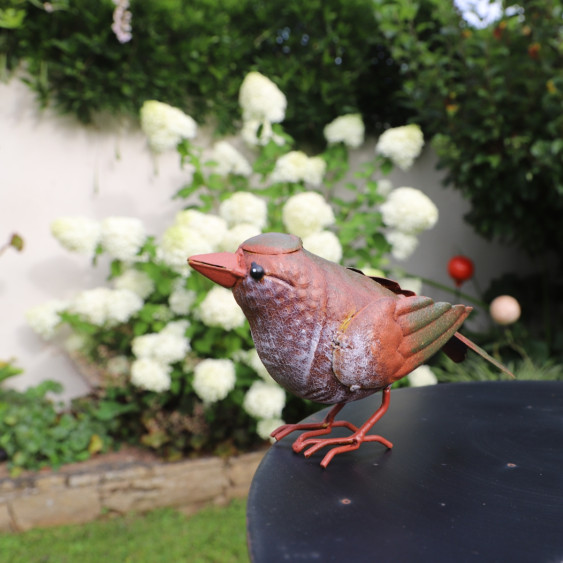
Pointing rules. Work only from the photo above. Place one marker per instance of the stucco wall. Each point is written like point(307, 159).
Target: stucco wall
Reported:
point(50, 166)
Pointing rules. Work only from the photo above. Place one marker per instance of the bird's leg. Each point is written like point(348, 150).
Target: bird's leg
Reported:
point(314, 428)
point(353, 442)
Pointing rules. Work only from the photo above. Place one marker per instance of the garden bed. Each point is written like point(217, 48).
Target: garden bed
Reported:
point(118, 483)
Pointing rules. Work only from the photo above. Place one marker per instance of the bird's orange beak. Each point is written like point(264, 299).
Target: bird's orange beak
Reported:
point(224, 268)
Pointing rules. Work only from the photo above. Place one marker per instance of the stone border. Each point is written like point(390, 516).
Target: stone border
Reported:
point(108, 486)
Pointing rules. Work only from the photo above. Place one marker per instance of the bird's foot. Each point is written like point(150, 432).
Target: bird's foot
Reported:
point(309, 437)
point(311, 443)
point(345, 444)
point(314, 428)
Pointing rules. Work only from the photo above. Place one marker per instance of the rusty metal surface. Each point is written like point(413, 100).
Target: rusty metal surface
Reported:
point(476, 475)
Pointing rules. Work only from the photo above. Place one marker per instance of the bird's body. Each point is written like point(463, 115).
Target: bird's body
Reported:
point(328, 333)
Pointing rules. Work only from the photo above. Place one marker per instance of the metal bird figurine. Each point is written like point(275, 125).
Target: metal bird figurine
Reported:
point(331, 334)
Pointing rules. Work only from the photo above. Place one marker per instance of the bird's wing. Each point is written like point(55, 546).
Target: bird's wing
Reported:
point(426, 326)
point(390, 337)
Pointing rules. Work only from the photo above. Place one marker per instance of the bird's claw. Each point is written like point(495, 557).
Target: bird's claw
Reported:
point(310, 437)
point(346, 444)
point(286, 429)
point(313, 429)
point(311, 443)
point(322, 427)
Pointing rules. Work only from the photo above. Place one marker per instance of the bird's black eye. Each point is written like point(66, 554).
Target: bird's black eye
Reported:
point(256, 271)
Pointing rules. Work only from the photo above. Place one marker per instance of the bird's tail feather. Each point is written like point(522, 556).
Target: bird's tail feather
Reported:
point(477, 349)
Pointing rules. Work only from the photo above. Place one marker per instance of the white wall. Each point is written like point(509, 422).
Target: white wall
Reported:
point(50, 166)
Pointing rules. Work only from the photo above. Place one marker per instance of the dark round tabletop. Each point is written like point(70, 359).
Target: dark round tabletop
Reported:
point(476, 474)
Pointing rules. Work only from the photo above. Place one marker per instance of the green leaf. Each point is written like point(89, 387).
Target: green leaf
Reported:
point(11, 18)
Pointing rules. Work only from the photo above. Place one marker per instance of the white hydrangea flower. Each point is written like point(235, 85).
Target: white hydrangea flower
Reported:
point(136, 281)
point(121, 305)
point(144, 346)
point(296, 166)
point(306, 213)
point(150, 375)
point(411, 284)
point(324, 244)
point(266, 426)
point(210, 227)
point(384, 187)
point(219, 309)
point(102, 305)
point(229, 160)
point(401, 144)
point(264, 400)
point(123, 237)
point(244, 207)
point(162, 313)
point(44, 318)
point(249, 133)
point(118, 365)
point(177, 328)
point(214, 379)
point(261, 99)
point(178, 243)
point(181, 300)
point(75, 343)
point(237, 235)
point(165, 126)
point(91, 304)
point(166, 347)
point(314, 171)
point(421, 376)
point(348, 129)
point(77, 234)
point(402, 245)
point(290, 167)
point(409, 210)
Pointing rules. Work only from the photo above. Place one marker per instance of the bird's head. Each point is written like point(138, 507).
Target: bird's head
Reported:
point(266, 257)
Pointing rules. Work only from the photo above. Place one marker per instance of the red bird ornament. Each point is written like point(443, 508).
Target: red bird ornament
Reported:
point(331, 334)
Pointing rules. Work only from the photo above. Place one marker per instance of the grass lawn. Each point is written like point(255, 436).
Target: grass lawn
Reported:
point(212, 535)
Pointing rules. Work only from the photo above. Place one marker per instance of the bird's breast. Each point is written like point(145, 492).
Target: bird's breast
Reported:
point(294, 332)
point(289, 331)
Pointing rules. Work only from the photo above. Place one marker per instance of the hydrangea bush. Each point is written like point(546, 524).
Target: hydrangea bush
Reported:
point(173, 353)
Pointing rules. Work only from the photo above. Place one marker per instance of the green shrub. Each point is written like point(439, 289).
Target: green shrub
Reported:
point(35, 432)
point(327, 56)
point(492, 99)
point(475, 368)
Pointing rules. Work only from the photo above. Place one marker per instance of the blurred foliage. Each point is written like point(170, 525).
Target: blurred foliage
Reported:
point(35, 432)
point(328, 57)
point(492, 100)
point(8, 369)
point(15, 241)
point(541, 300)
point(475, 368)
point(532, 347)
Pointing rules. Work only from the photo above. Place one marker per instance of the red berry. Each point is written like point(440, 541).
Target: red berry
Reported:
point(460, 269)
